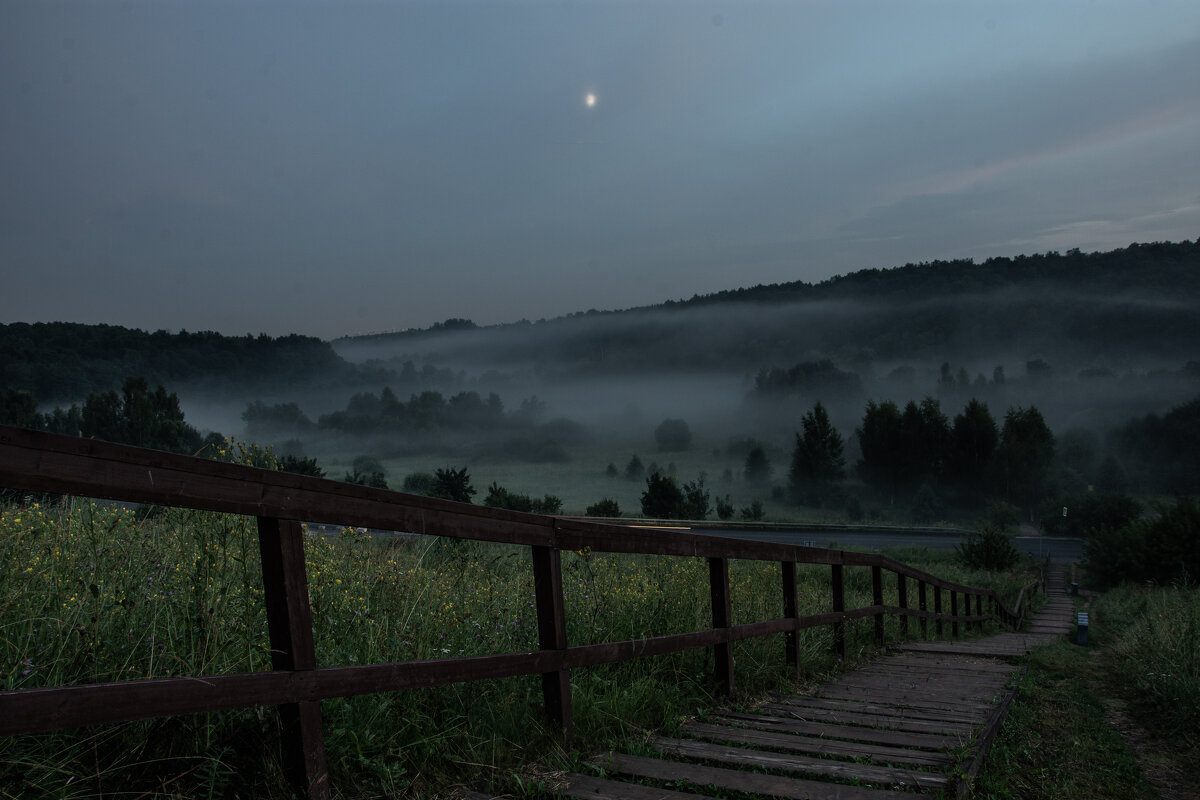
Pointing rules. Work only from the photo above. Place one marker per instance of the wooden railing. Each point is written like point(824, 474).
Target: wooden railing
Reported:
point(35, 461)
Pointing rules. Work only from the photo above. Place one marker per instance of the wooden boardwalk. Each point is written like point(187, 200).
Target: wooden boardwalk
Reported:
point(918, 720)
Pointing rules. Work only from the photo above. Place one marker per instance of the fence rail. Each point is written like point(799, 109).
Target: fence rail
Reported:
point(37, 461)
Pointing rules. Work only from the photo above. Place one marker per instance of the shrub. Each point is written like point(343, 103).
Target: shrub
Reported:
point(1088, 514)
point(990, 549)
point(605, 508)
point(1164, 550)
point(673, 435)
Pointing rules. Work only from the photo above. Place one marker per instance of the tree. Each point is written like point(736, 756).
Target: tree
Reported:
point(695, 500)
point(1024, 456)
point(634, 470)
point(140, 417)
point(662, 498)
point(301, 466)
point(499, 497)
point(758, 468)
point(367, 471)
point(20, 408)
point(817, 459)
point(973, 443)
point(880, 440)
point(673, 435)
point(605, 508)
point(452, 484)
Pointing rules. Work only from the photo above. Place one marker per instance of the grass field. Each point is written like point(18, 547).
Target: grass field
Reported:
point(96, 593)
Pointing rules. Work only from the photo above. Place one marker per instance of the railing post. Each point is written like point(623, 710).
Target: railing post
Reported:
point(954, 613)
point(839, 605)
point(722, 617)
point(902, 601)
point(924, 607)
point(791, 611)
point(877, 600)
point(979, 611)
point(552, 635)
point(289, 623)
point(937, 609)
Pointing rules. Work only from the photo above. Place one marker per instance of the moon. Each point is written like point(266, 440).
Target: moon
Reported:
point(589, 100)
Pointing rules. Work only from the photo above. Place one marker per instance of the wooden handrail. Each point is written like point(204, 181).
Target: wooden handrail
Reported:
point(38, 461)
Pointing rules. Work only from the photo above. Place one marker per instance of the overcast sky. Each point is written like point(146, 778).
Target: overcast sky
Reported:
point(330, 168)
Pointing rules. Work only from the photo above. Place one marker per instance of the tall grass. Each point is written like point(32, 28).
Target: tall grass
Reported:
point(92, 593)
point(1155, 642)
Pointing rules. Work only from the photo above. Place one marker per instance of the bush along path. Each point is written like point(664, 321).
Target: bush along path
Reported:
point(913, 721)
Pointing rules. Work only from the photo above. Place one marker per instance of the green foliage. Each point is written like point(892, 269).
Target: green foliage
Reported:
point(367, 471)
point(662, 498)
point(927, 506)
point(634, 470)
point(1164, 448)
point(817, 459)
point(1088, 513)
point(264, 420)
point(1164, 549)
point(990, 549)
point(301, 466)
point(973, 442)
point(452, 484)
point(1024, 456)
point(499, 497)
point(19, 408)
point(809, 379)
point(419, 483)
point(1003, 516)
point(753, 512)
point(757, 469)
point(724, 508)
point(673, 435)
point(1156, 645)
point(605, 508)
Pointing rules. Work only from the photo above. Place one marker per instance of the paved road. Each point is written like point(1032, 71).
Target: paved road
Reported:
point(1037, 546)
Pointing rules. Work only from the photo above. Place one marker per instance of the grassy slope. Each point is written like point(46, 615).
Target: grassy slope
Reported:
point(1093, 721)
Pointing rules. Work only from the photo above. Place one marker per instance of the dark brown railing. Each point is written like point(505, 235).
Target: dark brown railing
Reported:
point(35, 461)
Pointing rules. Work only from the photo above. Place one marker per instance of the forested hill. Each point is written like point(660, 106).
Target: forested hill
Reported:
point(64, 362)
point(1129, 305)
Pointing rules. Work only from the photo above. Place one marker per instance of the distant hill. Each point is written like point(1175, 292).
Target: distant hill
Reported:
point(1139, 305)
point(64, 362)
point(1124, 306)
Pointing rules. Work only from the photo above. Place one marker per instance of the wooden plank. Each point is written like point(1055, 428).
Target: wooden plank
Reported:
point(837, 709)
point(877, 600)
point(722, 618)
point(984, 742)
point(857, 733)
point(875, 719)
point(552, 636)
point(825, 767)
point(791, 610)
point(586, 787)
point(810, 744)
point(735, 780)
point(838, 592)
point(289, 624)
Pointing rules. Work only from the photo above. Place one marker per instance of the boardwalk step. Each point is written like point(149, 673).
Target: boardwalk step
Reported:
point(755, 782)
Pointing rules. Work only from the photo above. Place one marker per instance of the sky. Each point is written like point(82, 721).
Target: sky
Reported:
point(332, 168)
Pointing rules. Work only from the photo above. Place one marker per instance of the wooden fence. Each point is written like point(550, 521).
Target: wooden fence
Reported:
point(35, 461)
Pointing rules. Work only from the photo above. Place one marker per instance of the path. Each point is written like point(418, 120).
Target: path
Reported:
point(917, 720)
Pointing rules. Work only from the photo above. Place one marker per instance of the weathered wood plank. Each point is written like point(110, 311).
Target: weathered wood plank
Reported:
point(894, 721)
point(813, 745)
point(883, 708)
point(833, 730)
point(757, 759)
point(757, 783)
point(586, 787)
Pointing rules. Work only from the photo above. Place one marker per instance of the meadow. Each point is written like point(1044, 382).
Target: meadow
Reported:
point(92, 592)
